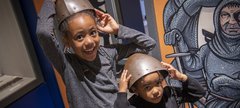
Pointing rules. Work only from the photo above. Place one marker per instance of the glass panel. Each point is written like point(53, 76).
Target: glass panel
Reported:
point(19, 69)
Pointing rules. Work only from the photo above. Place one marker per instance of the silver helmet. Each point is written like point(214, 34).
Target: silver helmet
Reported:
point(66, 8)
point(139, 65)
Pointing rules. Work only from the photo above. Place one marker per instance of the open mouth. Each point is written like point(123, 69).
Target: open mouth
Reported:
point(156, 98)
point(90, 52)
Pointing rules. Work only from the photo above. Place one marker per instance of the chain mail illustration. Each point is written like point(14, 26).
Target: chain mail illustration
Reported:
point(218, 61)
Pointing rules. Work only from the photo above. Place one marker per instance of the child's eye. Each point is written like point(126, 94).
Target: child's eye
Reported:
point(159, 82)
point(79, 37)
point(93, 33)
point(147, 88)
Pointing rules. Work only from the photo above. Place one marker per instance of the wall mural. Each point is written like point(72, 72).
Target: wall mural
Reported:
point(205, 35)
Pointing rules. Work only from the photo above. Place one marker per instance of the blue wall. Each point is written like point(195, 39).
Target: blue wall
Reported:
point(131, 14)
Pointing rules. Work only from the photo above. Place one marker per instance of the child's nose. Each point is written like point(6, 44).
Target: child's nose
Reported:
point(156, 91)
point(88, 42)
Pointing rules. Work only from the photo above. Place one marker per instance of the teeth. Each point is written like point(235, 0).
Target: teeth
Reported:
point(90, 50)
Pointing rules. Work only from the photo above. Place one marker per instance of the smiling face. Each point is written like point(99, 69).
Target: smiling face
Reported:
point(230, 19)
point(83, 36)
point(150, 87)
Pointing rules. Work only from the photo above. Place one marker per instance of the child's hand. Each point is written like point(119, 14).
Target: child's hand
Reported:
point(106, 23)
point(174, 73)
point(123, 83)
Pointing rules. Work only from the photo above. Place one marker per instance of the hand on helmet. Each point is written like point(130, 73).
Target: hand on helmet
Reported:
point(123, 82)
point(106, 23)
point(174, 73)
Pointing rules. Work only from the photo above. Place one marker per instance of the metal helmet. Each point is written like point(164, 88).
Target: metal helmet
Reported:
point(66, 8)
point(139, 65)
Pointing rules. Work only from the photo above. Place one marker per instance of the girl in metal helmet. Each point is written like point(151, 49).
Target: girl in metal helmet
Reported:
point(145, 77)
point(89, 70)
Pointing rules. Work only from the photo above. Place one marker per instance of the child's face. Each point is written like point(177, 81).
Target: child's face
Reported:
point(84, 38)
point(150, 87)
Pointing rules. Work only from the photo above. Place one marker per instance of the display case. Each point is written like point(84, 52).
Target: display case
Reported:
point(19, 68)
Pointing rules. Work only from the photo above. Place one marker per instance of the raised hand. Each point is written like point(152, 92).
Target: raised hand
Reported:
point(123, 83)
point(106, 23)
point(174, 73)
